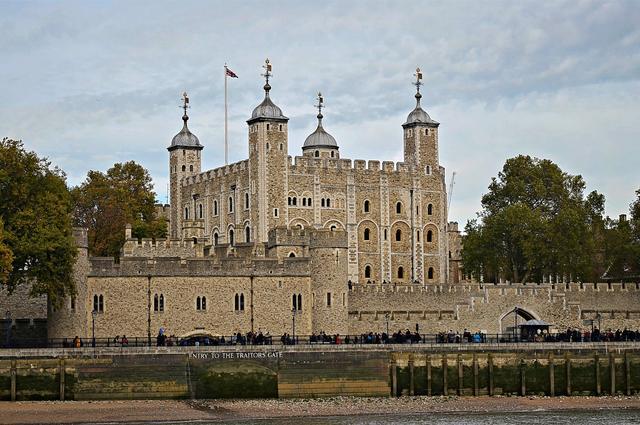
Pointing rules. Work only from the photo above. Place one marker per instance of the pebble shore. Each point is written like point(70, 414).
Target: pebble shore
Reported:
point(197, 411)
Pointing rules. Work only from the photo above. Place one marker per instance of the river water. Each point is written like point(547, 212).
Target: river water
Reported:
point(599, 417)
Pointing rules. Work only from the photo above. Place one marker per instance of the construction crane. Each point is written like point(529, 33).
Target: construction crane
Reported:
point(453, 179)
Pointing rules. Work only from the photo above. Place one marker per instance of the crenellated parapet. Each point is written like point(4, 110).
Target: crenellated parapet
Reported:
point(240, 167)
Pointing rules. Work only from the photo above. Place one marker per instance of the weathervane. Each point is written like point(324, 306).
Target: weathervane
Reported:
point(418, 82)
point(267, 67)
point(185, 103)
point(320, 104)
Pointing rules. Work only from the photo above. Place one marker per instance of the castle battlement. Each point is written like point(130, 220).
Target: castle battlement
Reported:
point(225, 170)
point(208, 266)
point(305, 163)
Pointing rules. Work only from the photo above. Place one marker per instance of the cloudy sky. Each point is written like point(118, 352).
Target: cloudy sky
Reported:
point(91, 83)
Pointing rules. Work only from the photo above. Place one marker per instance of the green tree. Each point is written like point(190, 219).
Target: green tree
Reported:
point(106, 202)
point(535, 222)
point(6, 257)
point(36, 211)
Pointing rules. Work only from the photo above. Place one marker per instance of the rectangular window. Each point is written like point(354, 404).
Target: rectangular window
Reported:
point(328, 299)
point(275, 212)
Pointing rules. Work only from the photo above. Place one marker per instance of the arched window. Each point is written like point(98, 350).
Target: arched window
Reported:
point(239, 302)
point(385, 234)
point(292, 255)
point(246, 200)
point(267, 142)
point(191, 168)
point(366, 234)
point(308, 202)
point(367, 272)
point(304, 202)
point(289, 201)
point(204, 303)
point(230, 204)
point(428, 169)
point(200, 211)
point(231, 236)
point(215, 239)
point(398, 235)
point(155, 302)
point(186, 213)
point(215, 207)
point(430, 273)
point(294, 302)
point(299, 301)
point(317, 154)
point(429, 236)
point(418, 235)
point(332, 154)
point(322, 202)
point(100, 303)
point(184, 168)
point(198, 305)
point(333, 228)
point(366, 206)
point(430, 209)
point(399, 208)
point(247, 234)
point(295, 201)
point(400, 273)
point(328, 203)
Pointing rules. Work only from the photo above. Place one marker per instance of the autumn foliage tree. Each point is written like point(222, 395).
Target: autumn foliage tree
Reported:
point(106, 202)
point(36, 239)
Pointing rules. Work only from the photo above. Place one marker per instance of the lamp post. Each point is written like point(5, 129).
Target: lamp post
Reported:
point(8, 317)
point(94, 313)
point(293, 317)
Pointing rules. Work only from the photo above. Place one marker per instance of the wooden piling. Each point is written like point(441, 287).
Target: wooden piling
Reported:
point(14, 377)
point(552, 377)
point(490, 371)
point(567, 370)
point(475, 374)
point(62, 369)
point(412, 384)
point(597, 367)
point(460, 372)
point(428, 373)
point(612, 373)
point(445, 367)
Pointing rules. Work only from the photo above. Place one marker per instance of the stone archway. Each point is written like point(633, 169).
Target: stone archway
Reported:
point(510, 320)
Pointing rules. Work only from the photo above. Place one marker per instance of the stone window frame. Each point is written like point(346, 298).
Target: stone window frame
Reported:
point(430, 273)
point(247, 233)
point(368, 268)
point(98, 303)
point(247, 201)
point(200, 211)
point(230, 205)
point(201, 303)
point(366, 206)
point(400, 272)
point(158, 302)
point(186, 213)
point(398, 235)
point(239, 302)
point(231, 235)
point(215, 208)
point(329, 300)
point(429, 238)
point(366, 234)
point(430, 209)
point(296, 302)
point(399, 207)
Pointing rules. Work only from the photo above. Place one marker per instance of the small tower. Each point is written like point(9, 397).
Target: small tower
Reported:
point(269, 164)
point(320, 144)
point(421, 135)
point(184, 161)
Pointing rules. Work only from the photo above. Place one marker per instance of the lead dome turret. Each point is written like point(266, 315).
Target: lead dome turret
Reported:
point(320, 143)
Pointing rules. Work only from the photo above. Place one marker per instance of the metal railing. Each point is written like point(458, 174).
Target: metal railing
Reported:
point(363, 339)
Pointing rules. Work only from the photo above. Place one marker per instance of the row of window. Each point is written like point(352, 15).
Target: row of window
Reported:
point(231, 236)
point(399, 272)
point(367, 235)
point(215, 207)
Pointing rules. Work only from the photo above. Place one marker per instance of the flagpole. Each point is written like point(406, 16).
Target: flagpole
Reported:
point(226, 143)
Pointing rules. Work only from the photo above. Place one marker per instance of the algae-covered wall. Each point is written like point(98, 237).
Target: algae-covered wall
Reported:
point(269, 372)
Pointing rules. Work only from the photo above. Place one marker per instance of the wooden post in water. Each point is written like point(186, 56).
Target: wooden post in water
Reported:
point(523, 378)
point(490, 371)
point(552, 377)
point(612, 373)
point(475, 374)
point(445, 367)
point(14, 376)
point(627, 371)
point(598, 383)
point(567, 369)
point(394, 378)
point(460, 371)
point(412, 387)
point(428, 373)
point(61, 369)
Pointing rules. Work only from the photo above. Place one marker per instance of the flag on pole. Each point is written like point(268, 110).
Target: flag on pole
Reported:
point(230, 73)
